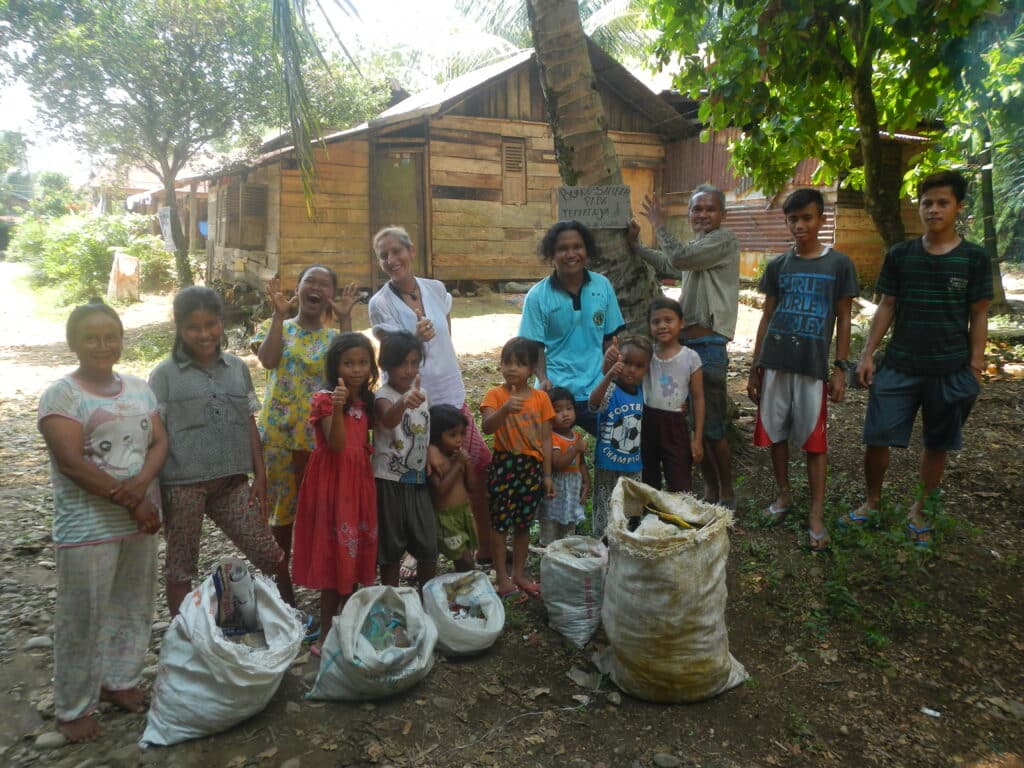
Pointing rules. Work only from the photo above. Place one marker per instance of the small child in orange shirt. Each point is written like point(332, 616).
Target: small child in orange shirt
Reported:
point(519, 477)
point(560, 513)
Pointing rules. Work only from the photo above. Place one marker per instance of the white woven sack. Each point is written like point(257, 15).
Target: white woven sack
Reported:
point(207, 683)
point(572, 572)
point(464, 637)
point(664, 600)
point(352, 670)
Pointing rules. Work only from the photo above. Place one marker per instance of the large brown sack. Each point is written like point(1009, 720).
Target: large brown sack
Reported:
point(664, 599)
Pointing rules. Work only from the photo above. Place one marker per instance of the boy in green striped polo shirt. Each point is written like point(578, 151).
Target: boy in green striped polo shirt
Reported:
point(935, 294)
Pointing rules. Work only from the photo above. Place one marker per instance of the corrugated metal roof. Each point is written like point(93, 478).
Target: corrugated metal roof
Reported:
point(763, 230)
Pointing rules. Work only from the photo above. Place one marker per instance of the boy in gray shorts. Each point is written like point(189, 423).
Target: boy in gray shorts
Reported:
point(936, 290)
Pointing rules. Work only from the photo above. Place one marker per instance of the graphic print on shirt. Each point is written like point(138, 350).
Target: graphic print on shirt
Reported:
point(409, 446)
point(669, 386)
point(804, 301)
point(620, 434)
point(115, 445)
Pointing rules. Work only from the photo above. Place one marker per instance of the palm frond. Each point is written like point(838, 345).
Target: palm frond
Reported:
point(294, 40)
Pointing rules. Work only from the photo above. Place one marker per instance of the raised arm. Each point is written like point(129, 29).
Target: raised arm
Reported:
point(444, 475)
point(601, 390)
point(334, 425)
point(269, 353)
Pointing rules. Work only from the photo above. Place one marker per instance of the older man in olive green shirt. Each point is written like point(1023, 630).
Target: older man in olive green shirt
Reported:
point(710, 265)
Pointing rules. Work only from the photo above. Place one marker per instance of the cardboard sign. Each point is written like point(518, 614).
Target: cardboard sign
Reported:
point(596, 207)
point(164, 214)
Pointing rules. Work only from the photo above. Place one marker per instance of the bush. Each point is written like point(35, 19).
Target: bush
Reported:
point(74, 253)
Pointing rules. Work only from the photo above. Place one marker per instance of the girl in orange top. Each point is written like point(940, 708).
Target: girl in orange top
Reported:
point(519, 477)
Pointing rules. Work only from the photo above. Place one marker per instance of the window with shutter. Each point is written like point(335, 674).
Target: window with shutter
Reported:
point(242, 216)
point(513, 171)
point(254, 217)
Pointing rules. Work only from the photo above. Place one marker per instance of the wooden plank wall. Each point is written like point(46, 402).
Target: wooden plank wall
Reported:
point(254, 265)
point(518, 96)
point(857, 237)
point(338, 235)
point(474, 234)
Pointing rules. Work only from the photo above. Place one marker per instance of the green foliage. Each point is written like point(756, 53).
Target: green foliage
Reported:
point(816, 79)
point(149, 82)
point(985, 117)
point(343, 96)
point(55, 197)
point(615, 25)
point(12, 162)
point(75, 252)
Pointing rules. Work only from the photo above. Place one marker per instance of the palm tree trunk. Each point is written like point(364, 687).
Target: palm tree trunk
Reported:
point(586, 155)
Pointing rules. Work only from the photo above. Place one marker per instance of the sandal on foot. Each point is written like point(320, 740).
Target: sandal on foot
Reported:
point(853, 519)
point(818, 542)
point(916, 535)
point(774, 515)
point(314, 650)
point(310, 631)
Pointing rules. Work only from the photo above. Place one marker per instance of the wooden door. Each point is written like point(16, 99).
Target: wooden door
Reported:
point(640, 182)
point(398, 198)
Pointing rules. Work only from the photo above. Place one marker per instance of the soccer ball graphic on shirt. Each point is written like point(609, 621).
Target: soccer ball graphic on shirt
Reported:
point(624, 437)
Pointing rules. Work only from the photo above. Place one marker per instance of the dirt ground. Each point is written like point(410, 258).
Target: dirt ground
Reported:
point(873, 655)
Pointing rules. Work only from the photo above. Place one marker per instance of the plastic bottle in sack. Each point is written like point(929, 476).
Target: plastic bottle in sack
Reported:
point(237, 595)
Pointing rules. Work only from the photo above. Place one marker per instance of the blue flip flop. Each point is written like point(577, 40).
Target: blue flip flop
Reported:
point(310, 633)
point(853, 520)
point(914, 534)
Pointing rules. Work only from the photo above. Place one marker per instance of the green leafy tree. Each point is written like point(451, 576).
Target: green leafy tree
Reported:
point(984, 115)
point(817, 78)
point(75, 252)
point(615, 25)
point(55, 196)
point(13, 155)
point(151, 82)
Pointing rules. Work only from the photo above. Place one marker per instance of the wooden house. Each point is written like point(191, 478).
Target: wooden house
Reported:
point(467, 167)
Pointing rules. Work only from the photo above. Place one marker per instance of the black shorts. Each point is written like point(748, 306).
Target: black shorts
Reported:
point(944, 400)
point(405, 522)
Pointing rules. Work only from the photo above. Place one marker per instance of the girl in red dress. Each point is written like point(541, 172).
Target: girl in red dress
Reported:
point(336, 524)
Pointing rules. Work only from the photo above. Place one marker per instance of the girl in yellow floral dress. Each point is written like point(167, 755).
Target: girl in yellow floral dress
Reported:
point(292, 350)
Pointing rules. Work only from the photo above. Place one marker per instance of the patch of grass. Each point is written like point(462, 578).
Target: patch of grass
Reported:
point(46, 299)
point(148, 346)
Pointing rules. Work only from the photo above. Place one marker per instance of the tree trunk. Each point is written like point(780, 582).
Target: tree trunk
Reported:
point(586, 155)
point(181, 262)
point(988, 218)
point(881, 196)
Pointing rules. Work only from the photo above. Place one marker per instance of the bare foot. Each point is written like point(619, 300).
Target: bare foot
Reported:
point(528, 586)
point(407, 571)
point(79, 731)
point(130, 699)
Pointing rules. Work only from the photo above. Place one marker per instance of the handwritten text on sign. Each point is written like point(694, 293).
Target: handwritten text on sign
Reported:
point(596, 207)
